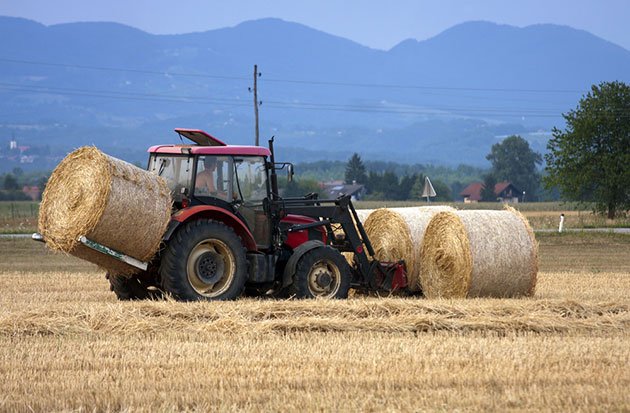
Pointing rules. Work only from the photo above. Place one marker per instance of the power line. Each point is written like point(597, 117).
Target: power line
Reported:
point(452, 88)
point(118, 69)
point(107, 93)
point(512, 112)
point(275, 104)
point(113, 94)
point(435, 110)
point(403, 108)
point(297, 81)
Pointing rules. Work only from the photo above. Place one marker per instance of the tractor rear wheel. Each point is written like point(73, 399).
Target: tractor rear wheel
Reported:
point(205, 260)
point(321, 273)
point(134, 287)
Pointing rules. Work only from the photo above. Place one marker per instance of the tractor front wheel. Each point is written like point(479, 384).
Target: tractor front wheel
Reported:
point(205, 260)
point(321, 273)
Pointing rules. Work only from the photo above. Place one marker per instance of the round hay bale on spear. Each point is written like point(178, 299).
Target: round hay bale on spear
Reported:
point(479, 254)
point(108, 201)
point(397, 233)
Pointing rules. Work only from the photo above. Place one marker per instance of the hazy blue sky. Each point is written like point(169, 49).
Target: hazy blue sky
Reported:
point(379, 24)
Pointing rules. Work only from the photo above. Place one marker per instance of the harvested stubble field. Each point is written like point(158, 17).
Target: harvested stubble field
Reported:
point(18, 216)
point(67, 344)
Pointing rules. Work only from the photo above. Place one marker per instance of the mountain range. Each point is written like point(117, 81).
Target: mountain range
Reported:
point(444, 100)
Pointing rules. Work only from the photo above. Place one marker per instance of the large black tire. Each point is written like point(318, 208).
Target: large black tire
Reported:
point(321, 273)
point(205, 260)
point(135, 287)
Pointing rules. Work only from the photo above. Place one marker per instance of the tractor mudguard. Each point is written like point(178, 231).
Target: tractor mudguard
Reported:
point(215, 213)
point(289, 269)
point(170, 229)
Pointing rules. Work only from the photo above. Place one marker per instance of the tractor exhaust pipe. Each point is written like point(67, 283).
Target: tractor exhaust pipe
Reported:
point(274, 176)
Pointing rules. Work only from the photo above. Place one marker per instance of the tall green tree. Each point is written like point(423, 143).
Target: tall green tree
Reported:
point(406, 184)
point(355, 170)
point(10, 182)
point(513, 160)
point(390, 186)
point(442, 191)
point(487, 191)
point(590, 159)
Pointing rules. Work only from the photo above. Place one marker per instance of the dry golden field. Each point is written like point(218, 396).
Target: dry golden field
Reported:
point(66, 344)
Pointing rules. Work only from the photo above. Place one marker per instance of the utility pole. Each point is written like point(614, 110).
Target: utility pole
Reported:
point(256, 101)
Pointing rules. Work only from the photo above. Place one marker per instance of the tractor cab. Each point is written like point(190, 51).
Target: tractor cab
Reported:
point(228, 177)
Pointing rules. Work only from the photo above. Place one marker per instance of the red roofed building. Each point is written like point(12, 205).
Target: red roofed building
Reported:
point(33, 192)
point(505, 192)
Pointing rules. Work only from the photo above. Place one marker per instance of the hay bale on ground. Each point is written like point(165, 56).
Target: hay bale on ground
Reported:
point(479, 254)
point(363, 214)
point(108, 201)
point(397, 233)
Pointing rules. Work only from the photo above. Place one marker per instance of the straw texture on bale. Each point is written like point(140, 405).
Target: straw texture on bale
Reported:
point(108, 201)
point(397, 233)
point(479, 254)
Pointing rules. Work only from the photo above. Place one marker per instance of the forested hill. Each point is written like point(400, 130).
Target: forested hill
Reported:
point(444, 100)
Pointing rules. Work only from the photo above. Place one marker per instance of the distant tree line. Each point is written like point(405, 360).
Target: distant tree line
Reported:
point(386, 180)
point(388, 185)
point(512, 160)
point(11, 184)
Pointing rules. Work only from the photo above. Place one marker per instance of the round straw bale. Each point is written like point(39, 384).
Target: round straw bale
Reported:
point(108, 201)
point(478, 254)
point(397, 233)
point(363, 214)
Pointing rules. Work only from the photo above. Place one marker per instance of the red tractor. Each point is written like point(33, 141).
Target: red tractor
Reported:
point(231, 232)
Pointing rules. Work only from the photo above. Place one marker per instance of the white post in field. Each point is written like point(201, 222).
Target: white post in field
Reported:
point(561, 226)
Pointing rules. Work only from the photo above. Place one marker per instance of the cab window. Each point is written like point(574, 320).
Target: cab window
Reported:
point(176, 170)
point(214, 177)
point(252, 178)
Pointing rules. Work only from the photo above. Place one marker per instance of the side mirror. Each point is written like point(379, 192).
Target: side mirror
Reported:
point(290, 172)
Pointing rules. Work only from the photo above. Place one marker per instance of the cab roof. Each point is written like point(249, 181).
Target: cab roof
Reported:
point(207, 144)
point(210, 150)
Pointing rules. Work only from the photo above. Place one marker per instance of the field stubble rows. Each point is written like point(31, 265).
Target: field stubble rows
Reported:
point(67, 344)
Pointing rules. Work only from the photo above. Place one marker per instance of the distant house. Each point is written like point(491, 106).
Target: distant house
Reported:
point(505, 192)
point(27, 159)
point(335, 189)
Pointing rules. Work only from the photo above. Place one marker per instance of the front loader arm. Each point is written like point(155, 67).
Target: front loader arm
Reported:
point(370, 272)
